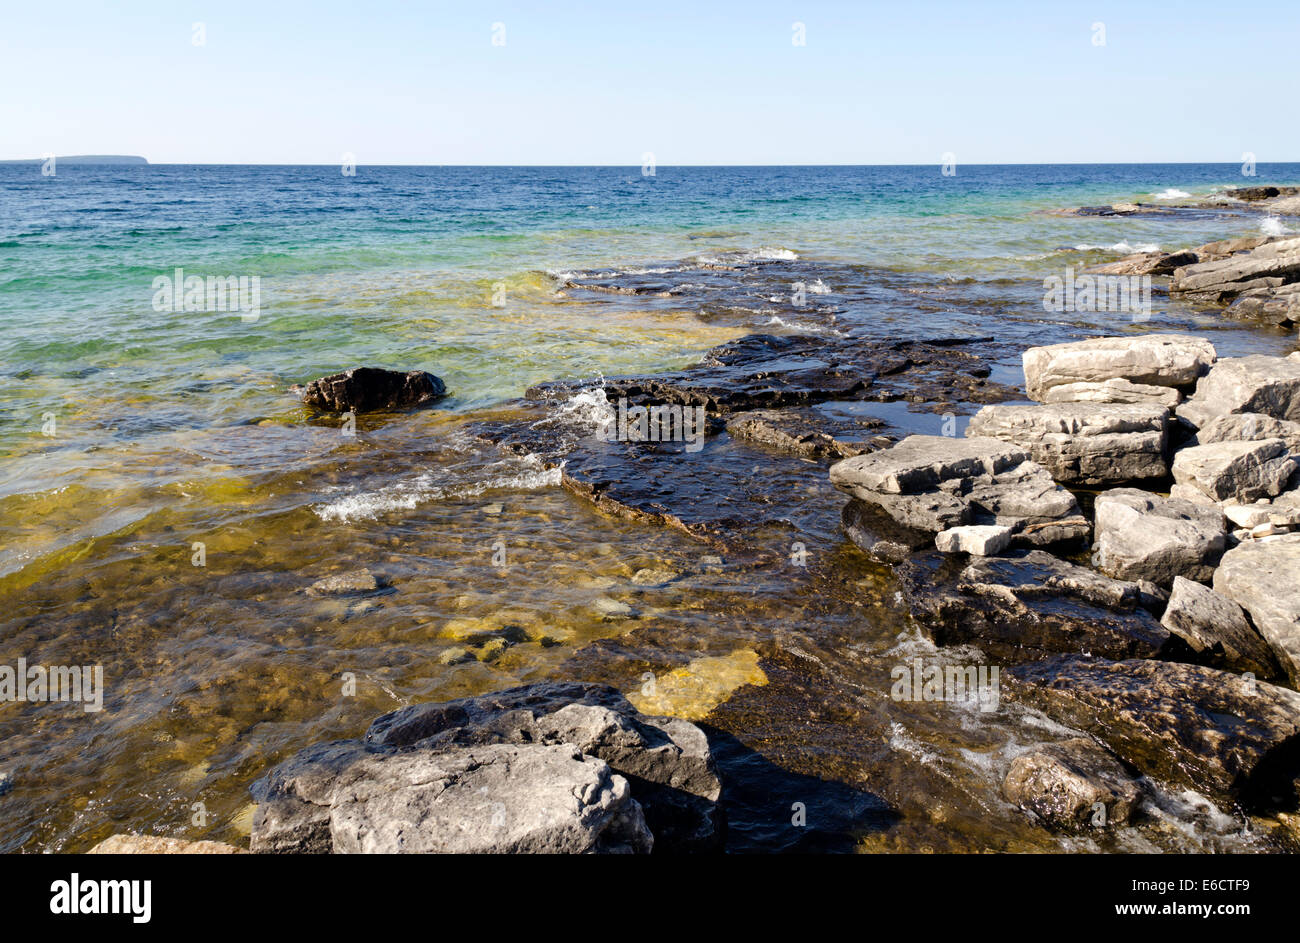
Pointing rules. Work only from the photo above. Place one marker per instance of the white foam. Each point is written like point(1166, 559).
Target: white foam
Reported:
point(1172, 194)
point(407, 495)
point(1272, 226)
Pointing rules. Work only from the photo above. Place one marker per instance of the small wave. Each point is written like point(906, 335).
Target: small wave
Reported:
point(1172, 194)
point(748, 256)
point(777, 321)
point(588, 409)
point(407, 495)
point(1121, 247)
point(1272, 226)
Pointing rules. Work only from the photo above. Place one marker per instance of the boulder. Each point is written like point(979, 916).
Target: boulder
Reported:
point(1062, 784)
point(367, 389)
point(1142, 536)
point(501, 798)
point(1253, 384)
point(629, 776)
point(123, 844)
point(1027, 605)
point(1242, 471)
point(1162, 360)
point(1083, 443)
point(1216, 630)
point(1214, 732)
point(1263, 577)
point(1248, 427)
point(981, 540)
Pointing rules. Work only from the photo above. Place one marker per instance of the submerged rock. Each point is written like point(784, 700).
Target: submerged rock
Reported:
point(354, 583)
point(367, 389)
point(1022, 607)
point(1216, 629)
point(122, 844)
point(1150, 360)
point(1083, 443)
point(1240, 471)
point(1142, 536)
point(878, 534)
point(566, 767)
point(806, 434)
point(1263, 577)
point(1231, 738)
point(1072, 784)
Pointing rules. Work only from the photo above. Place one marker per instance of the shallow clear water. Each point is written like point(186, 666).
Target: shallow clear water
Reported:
point(173, 428)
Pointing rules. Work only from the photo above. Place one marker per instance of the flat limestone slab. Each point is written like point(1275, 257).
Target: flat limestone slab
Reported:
point(1084, 443)
point(1168, 360)
point(921, 462)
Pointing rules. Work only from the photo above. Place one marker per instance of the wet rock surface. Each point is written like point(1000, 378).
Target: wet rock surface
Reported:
point(1072, 784)
point(1024, 607)
point(1212, 731)
point(369, 389)
point(500, 773)
point(808, 433)
point(761, 371)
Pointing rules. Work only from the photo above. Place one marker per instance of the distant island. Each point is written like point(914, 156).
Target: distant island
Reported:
point(84, 159)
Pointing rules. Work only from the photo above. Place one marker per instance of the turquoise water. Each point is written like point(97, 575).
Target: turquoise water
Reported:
point(170, 427)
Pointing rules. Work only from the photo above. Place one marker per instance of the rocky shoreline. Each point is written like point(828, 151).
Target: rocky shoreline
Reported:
point(1126, 545)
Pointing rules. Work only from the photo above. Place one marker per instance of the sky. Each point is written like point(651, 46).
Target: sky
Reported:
point(690, 83)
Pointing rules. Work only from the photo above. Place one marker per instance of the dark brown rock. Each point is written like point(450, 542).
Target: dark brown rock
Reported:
point(368, 389)
point(1228, 737)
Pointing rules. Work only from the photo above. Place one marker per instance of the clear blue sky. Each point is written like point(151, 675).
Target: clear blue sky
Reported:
point(693, 83)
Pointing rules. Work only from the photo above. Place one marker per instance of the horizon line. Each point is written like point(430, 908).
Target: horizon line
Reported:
point(1098, 163)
